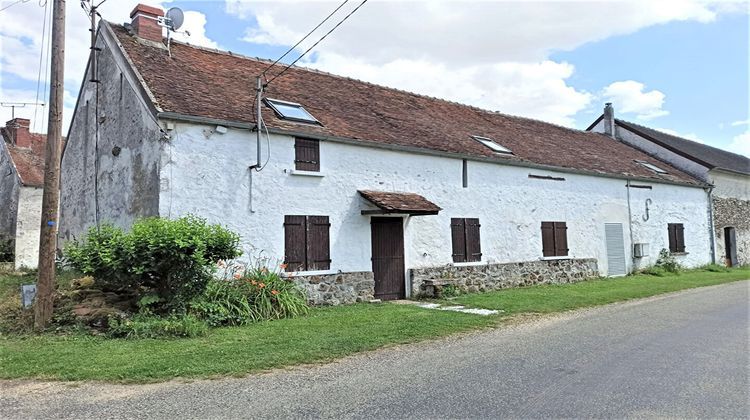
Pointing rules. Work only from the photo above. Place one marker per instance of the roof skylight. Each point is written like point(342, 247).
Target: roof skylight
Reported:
point(291, 111)
point(492, 144)
point(654, 168)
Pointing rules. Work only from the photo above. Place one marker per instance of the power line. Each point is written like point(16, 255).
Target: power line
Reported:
point(13, 4)
point(316, 42)
point(41, 55)
point(305, 37)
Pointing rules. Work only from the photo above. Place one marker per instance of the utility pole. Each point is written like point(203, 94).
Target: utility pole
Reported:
point(51, 199)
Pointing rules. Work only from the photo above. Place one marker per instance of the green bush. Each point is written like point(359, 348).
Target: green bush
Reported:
point(6, 250)
point(667, 262)
point(716, 268)
point(149, 326)
point(172, 258)
point(255, 295)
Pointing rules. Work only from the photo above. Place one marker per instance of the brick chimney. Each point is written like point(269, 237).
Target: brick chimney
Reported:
point(18, 131)
point(145, 24)
point(609, 120)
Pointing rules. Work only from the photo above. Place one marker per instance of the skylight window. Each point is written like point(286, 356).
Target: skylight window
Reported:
point(492, 144)
point(291, 111)
point(654, 168)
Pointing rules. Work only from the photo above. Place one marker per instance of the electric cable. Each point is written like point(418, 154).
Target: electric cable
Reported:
point(41, 55)
point(304, 37)
point(316, 43)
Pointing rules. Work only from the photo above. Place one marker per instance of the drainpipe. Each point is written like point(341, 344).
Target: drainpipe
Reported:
point(711, 229)
point(630, 229)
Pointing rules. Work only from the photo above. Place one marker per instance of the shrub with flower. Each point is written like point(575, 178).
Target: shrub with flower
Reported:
point(254, 294)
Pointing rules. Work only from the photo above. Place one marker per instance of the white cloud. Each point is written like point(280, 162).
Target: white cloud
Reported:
point(741, 144)
point(490, 54)
point(21, 41)
point(630, 97)
point(740, 122)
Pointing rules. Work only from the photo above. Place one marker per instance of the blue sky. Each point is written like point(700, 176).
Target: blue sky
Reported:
point(680, 67)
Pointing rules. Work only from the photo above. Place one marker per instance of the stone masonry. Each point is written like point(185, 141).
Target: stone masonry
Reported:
point(428, 282)
point(732, 212)
point(337, 289)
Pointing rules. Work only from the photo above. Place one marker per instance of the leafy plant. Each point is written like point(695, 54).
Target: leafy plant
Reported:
point(450, 290)
point(667, 262)
point(175, 259)
point(716, 268)
point(6, 250)
point(149, 326)
point(256, 294)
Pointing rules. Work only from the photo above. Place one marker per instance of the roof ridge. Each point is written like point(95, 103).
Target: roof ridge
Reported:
point(415, 94)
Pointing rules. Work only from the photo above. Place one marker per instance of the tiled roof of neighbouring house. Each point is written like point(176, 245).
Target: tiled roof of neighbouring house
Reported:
point(29, 161)
point(398, 202)
point(220, 85)
point(705, 155)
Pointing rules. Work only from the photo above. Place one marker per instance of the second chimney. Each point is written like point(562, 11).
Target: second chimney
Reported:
point(18, 129)
point(609, 120)
point(145, 22)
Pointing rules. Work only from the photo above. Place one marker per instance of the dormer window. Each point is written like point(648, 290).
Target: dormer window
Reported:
point(492, 144)
point(291, 111)
point(654, 168)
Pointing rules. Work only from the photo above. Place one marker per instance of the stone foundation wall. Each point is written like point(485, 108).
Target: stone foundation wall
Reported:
point(732, 212)
point(486, 277)
point(338, 289)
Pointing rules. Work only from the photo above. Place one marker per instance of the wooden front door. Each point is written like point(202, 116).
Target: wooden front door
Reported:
point(388, 257)
point(730, 246)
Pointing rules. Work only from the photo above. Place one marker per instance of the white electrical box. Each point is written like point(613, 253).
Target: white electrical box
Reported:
point(640, 250)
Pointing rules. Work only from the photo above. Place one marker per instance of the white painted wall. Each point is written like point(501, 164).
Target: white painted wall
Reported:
point(729, 185)
point(27, 227)
point(207, 174)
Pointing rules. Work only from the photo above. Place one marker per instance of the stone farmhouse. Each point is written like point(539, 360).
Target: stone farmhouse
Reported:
point(361, 190)
point(727, 173)
point(21, 180)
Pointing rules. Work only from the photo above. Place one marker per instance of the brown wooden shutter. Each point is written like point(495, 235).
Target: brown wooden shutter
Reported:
point(561, 239)
point(473, 243)
point(672, 232)
point(458, 236)
point(548, 239)
point(295, 232)
point(307, 155)
point(680, 237)
point(318, 243)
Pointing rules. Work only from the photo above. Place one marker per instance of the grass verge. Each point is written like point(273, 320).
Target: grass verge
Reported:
point(557, 298)
point(326, 334)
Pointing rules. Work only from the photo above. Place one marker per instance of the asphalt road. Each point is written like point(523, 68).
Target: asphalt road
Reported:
point(680, 355)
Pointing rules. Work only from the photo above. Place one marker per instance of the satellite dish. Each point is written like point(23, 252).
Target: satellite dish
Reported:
point(175, 18)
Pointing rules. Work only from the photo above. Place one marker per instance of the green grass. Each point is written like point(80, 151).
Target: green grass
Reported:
point(326, 334)
point(556, 298)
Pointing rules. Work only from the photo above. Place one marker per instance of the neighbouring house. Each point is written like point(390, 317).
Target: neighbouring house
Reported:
point(728, 174)
point(361, 190)
point(21, 181)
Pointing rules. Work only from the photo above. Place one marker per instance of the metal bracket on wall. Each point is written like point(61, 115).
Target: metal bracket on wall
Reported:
point(646, 216)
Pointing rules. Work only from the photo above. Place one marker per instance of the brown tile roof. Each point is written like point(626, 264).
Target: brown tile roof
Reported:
point(220, 85)
point(29, 161)
point(398, 202)
point(708, 156)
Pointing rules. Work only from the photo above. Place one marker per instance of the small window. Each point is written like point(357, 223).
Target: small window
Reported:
point(676, 237)
point(465, 238)
point(306, 243)
point(492, 144)
point(307, 155)
point(554, 239)
point(291, 111)
point(653, 167)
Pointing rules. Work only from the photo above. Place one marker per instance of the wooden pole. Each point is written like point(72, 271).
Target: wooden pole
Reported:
point(45, 285)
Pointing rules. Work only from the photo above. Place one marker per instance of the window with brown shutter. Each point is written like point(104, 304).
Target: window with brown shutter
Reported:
point(554, 239)
point(465, 240)
point(307, 155)
point(306, 243)
point(676, 237)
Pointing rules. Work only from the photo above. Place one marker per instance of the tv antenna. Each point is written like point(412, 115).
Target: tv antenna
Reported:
point(14, 105)
point(173, 21)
